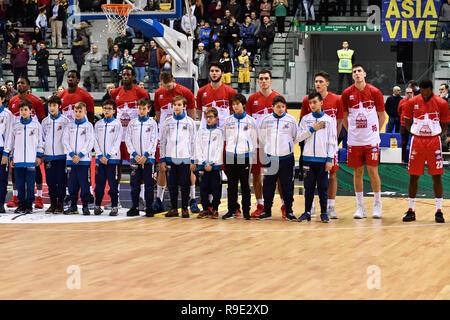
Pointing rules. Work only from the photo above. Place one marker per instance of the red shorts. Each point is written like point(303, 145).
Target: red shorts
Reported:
point(335, 164)
point(258, 166)
point(124, 155)
point(357, 156)
point(157, 153)
point(425, 149)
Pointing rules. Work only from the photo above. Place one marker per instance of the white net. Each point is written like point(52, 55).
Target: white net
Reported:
point(117, 15)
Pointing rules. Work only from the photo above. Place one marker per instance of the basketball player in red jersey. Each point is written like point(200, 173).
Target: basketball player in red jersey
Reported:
point(38, 113)
point(163, 109)
point(126, 98)
point(74, 94)
point(364, 115)
point(332, 106)
point(426, 117)
point(259, 105)
point(409, 93)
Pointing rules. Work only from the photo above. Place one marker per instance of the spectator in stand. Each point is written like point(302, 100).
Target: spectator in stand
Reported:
point(309, 9)
point(77, 52)
point(265, 9)
point(140, 60)
point(197, 8)
point(341, 7)
point(3, 54)
point(445, 18)
point(155, 55)
point(56, 22)
point(60, 90)
point(47, 5)
point(247, 33)
point(42, 69)
point(215, 10)
point(11, 37)
point(85, 34)
point(227, 67)
point(124, 42)
point(5, 89)
point(256, 22)
point(166, 62)
point(414, 86)
point(201, 60)
point(186, 25)
point(216, 52)
point(443, 92)
point(391, 107)
point(266, 37)
point(41, 22)
point(36, 38)
point(227, 17)
point(205, 35)
point(218, 31)
point(246, 10)
point(60, 68)
point(235, 9)
point(10, 86)
point(95, 60)
point(353, 4)
point(237, 52)
point(109, 87)
point(324, 6)
point(231, 35)
point(127, 60)
point(280, 7)
point(244, 72)
point(3, 10)
point(19, 60)
point(114, 58)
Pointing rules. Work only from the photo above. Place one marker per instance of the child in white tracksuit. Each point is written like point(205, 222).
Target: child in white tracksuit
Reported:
point(319, 132)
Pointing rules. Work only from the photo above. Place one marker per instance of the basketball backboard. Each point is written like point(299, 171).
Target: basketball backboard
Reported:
point(143, 9)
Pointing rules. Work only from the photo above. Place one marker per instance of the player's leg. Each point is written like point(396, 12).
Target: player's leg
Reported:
point(216, 188)
point(416, 168)
point(39, 202)
point(376, 188)
point(244, 175)
point(135, 184)
point(73, 187)
point(84, 182)
point(355, 160)
point(173, 189)
point(149, 183)
point(232, 190)
point(286, 178)
point(51, 178)
point(99, 191)
point(438, 191)
point(322, 188)
point(436, 169)
point(192, 201)
point(205, 188)
point(14, 202)
point(184, 181)
point(332, 190)
point(257, 184)
point(269, 186)
point(3, 185)
point(280, 192)
point(309, 183)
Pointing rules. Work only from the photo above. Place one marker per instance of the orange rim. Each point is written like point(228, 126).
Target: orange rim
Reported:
point(120, 9)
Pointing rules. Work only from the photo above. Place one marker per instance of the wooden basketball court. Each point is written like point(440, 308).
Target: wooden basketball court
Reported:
point(161, 258)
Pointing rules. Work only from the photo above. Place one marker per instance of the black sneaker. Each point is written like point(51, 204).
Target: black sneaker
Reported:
point(86, 211)
point(2, 209)
point(149, 212)
point(114, 211)
point(246, 215)
point(290, 216)
point(71, 210)
point(228, 215)
point(91, 198)
point(439, 217)
point(264, 216)
point(20, 209)
point(51, 209)
point(98, 210)
point(410, 216)
point(67, 199)
point(133, 212)
point(28, 209)
point(305, 216)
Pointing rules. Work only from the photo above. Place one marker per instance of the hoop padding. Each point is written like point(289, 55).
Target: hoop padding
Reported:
point(117, 15)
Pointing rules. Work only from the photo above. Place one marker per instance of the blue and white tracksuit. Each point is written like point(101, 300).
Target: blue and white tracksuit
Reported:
point(177, 149)
point(25, 143)
point(55, 156)
point(320, 147)
point(78, 139)
point(209, 150)
point(6, 119)
point(108, 136)
point(141, 140)
point(277, 136)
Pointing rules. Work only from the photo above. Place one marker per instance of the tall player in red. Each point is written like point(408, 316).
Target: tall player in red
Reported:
point(163, 109)
point(409, 93)
point(126, 98)
point(258, 106)
point(332, 106)
point(37, 112)
point(426, 117)
point(364, 115)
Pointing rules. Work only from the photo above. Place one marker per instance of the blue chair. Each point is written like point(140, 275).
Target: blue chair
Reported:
point(342, 155)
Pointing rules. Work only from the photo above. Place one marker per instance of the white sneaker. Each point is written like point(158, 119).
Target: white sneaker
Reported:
point(278, 35)
point(331, 213)
point(360, 212)
point(377, 206)
point(313, 211)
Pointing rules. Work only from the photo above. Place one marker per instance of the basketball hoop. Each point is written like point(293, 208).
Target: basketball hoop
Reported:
point(117, 15)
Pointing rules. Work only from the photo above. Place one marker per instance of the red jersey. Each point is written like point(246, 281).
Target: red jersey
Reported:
point(219, 98)
point(37, 107)
point(400, 110)
point(426, 115)
point(69, 100)
point(163, 100)
point(127, 104)
point(362, 107)
point(332, 105)
point(258, 105)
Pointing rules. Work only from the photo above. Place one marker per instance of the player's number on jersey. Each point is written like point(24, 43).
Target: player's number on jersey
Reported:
point(375, 156)
point(439, 164)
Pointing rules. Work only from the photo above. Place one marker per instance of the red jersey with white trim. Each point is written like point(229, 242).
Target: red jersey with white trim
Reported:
point(362, 107)
point(259, 106)
point(37, 109)
point(127, 104)
point(69, 100)
point(163, 100)
point(426, 115)
point(219, 98)
point(332, 105)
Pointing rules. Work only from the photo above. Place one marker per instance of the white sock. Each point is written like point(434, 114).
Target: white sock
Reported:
point(142, 193)
point(210, 197)
point(160, 191)
point(282, 202)
point(377, 196)
point(192, 194)
point(92, 190)
point(360, 198)
point(260, 201)
point(331, 202)
point(438, 204)
point(412, 203)
point(39, 193)
point(15, 193)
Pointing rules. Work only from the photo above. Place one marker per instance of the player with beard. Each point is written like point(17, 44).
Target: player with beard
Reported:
point(37, 111)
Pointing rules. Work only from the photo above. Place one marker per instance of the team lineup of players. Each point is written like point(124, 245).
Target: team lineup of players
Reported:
point(235, 135)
